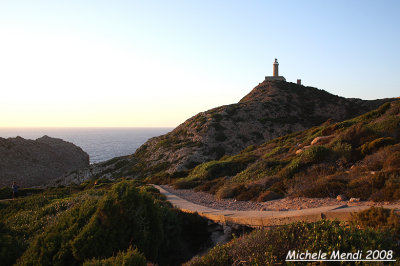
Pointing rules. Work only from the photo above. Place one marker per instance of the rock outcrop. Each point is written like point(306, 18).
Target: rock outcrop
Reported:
point(36, 162)
point(272, 109)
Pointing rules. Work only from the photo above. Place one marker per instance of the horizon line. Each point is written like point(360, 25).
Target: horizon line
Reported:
point(110, 127)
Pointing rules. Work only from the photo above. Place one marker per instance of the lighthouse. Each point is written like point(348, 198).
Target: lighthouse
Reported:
point(275, 73)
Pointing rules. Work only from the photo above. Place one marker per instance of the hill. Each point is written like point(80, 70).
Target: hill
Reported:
point(34, 162)
point(272, 109)
point(359, 158)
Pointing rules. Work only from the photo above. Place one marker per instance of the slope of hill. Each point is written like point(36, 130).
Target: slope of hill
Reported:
point(34, 162)
point(270, 110)
point(358, 157)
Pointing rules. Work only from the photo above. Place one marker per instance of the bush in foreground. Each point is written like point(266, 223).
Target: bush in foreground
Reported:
point(271, 246)
point(100, 228)
point(129, 257)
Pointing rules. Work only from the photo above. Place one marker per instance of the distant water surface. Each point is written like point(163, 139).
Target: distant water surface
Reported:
point(100, 143)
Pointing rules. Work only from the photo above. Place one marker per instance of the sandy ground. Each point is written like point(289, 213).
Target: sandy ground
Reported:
point(285, 204)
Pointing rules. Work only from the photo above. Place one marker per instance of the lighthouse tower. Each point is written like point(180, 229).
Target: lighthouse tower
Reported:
point(275, 73)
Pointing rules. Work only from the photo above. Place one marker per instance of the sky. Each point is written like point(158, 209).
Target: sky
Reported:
point(120, 63)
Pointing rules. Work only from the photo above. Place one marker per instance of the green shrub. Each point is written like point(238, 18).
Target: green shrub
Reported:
point(377, 218)
point(292, 168)
point(129, 257)
point(374, 145)
point(389, 186)
point(342, 150)
point(375, 113)
point(248, 192)
point(314, 154)
point(269, 195)
point(123, 217)
point(227, 167)
point(324, 187)
point(185, 183)
point(211, 186)
point(271, 246)
point(228, 191)
point(11, 247)
point(101, 223)
point(387, 126)
point(5, 193)
point(217, 256)
point(392, 162)
point(356, 135)
point(382, 186)
point(259, 170)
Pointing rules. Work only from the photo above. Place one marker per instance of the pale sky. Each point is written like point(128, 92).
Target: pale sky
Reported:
point(156, 63)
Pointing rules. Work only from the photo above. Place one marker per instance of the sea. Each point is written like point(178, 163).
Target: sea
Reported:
point(100, 143)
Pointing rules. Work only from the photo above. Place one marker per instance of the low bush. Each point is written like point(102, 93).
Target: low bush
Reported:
point(356, 135)
point(291, 169)
point(228, 167)
point(269, 195)
point(248, 192)
point(324, 187)
point(271, 246)
point(6, 192)
point(185, 183)
point(228, 191)
point(259, 170)
point(381, 186)
point(314, 154)
point(104, 222)
point(374, 145)
point(343, 150)
point(129, 257)
point(211, 186)
point(378, 218)
point(392, 161)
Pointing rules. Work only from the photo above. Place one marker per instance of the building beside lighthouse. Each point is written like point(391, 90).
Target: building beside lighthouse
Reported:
point(275, 73)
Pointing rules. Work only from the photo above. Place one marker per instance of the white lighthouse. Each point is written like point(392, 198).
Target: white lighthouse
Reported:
point(275, 73)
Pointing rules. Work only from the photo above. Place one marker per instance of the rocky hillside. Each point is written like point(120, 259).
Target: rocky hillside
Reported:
point(270, 110)
point(34, 162)
point(357, 158)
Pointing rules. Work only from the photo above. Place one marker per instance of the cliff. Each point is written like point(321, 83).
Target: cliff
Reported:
point(35, 162)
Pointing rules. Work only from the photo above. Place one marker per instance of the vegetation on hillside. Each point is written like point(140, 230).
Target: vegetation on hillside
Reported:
point(270, 110)
point(271, 246)
point(359, 157)
point(98, 224)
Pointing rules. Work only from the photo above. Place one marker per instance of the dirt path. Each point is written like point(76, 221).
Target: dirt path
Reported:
point(286, 204)
point(231, 212)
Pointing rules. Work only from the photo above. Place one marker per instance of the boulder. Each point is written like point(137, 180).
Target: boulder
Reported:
point(322, 140)
point(341, 197)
